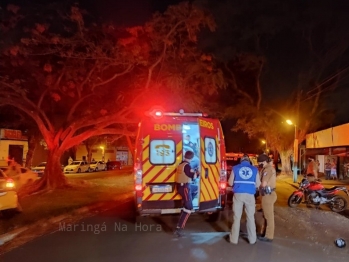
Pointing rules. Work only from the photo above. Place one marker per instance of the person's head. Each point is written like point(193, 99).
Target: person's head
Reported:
point(328, 160)
point(189, 155)
point(246, 158)
point(263, 160)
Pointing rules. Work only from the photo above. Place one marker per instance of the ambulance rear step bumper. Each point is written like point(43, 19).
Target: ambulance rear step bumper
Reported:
point(145, 212)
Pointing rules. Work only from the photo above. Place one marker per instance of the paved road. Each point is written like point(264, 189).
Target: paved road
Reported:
point(116, 235)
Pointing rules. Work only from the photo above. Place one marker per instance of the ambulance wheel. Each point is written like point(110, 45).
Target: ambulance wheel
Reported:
point(213, 216)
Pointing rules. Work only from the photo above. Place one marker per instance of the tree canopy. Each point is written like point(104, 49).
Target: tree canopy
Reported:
point(77, 79)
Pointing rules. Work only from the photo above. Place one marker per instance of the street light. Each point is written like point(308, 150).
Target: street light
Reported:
point(102, 147)
point(295, 151)
point(266, 145)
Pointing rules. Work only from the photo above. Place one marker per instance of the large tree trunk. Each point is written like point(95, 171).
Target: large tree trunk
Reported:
point(285, 161)
point(54, 177)
point(31, 149)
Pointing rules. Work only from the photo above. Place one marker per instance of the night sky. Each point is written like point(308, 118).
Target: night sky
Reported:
point(279, 77)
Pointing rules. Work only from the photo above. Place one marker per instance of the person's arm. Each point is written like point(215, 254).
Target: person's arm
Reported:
point(188, 172)
point(265, 177)
point(258, 180)
point(231, 178)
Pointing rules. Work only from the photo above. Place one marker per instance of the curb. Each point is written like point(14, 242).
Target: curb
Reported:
point(98, 207)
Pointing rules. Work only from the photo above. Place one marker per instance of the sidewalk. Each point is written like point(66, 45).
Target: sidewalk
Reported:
point(289, 179)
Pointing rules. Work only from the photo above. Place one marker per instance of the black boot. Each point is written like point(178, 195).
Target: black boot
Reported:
point(178, 232)
point(261, 231)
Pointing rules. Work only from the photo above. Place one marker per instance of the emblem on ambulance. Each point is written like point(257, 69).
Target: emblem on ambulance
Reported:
point(210, 149)
point(245, 172)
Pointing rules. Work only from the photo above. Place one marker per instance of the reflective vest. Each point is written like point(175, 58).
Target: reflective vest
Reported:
point(245, 178)
point(181, 177)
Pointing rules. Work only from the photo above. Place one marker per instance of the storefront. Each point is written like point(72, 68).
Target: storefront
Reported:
point(330, 144)
point(13, 146)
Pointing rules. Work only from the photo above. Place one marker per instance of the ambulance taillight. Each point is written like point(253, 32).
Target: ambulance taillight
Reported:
point(223, 180)
point(138, 180)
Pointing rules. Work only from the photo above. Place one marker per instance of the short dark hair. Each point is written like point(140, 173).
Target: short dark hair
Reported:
point(189, 155)
point(262, 158)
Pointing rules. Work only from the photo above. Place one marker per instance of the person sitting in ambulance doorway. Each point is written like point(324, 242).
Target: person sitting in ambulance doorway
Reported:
point(194, 164)
point(184, 187)
point(189, 144)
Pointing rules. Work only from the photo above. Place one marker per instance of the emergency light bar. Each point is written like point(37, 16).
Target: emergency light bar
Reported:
point(183, 114)
point(158, 113)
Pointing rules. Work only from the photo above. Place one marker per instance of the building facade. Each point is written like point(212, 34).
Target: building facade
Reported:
point(13, 146)
point(331, 143)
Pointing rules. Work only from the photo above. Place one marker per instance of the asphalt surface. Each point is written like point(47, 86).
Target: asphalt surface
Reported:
point(118, 235)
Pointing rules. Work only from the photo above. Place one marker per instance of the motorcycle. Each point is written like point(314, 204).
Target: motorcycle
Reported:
point(315, 193)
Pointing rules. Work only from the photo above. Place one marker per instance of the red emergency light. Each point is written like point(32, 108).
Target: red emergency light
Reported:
point(158, 113)
point(155, 112)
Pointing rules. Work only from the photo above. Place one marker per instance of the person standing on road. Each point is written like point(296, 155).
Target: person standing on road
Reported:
point(244, 180)
point(310, 167)
point(328, 169)
point(267, 191)
point(334, 169)
point(316, 169)
point(185, 188)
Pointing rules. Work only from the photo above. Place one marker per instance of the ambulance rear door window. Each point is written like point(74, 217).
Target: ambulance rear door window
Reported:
point(210, 150)
point(162, 152)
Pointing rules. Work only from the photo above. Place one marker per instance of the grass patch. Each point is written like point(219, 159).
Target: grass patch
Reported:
point(61, 201)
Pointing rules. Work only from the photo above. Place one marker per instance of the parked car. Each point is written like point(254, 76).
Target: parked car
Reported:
point(20, 175)
point(40, 168)
point(8, 196)
point(111, 165)
point(97, 166)
point(77, 167)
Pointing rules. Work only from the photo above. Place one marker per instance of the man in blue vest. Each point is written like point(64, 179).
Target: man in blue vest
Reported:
point(244, 180)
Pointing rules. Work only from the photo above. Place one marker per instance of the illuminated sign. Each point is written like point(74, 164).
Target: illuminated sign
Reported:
point(11, 134)
point(167, 127)
point(206, 124)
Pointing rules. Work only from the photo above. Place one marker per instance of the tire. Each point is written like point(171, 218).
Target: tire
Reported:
point(213, 217)
point(96, 169)
point(338, 204)
point(294, 200)
point(8, 213)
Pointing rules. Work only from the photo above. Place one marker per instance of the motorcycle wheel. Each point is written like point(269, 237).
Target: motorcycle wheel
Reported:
point(294, 200)
point(338, 204)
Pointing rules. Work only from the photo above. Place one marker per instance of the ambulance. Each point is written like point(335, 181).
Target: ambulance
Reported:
point(162, 140)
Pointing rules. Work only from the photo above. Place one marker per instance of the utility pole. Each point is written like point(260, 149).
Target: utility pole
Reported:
point(295, 145)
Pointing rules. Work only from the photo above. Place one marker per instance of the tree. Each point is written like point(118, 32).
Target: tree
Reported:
point(76, 79)
point(310, 41)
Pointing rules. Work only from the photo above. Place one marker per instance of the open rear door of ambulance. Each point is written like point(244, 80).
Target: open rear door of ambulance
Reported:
point(210, 159)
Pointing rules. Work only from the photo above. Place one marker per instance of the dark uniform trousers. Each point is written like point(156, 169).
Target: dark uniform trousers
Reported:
point(184, 191)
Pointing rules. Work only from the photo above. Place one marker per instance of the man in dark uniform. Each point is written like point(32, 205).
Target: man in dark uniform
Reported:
point(183, 180)
point(268, 184)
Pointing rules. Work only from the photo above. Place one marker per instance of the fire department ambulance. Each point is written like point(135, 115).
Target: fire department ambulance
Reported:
point(162, 140)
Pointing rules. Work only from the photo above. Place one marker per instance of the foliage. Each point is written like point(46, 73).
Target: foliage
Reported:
point(77, 79)
point(283, 61)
